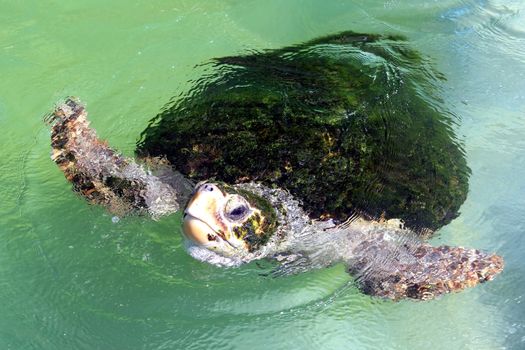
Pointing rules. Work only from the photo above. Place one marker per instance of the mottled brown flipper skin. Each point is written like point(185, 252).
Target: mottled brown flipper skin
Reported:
point(416, 270)
point(100, 174)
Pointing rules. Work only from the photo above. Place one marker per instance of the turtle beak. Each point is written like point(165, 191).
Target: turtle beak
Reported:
point(202, 218)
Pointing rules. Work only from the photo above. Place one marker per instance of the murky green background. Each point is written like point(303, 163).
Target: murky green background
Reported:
point(70, 278)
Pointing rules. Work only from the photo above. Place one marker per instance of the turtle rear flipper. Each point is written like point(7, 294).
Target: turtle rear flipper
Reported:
point(423, 272)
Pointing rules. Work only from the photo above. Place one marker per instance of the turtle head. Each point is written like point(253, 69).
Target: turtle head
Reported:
point(227, 220)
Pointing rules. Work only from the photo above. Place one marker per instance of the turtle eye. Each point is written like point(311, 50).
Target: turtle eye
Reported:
point(239, 211)
point(236, 209)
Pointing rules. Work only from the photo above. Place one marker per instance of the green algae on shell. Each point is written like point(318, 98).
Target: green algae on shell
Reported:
point(348, 123)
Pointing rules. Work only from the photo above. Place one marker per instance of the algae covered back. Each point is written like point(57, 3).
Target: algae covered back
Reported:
point(349, 123)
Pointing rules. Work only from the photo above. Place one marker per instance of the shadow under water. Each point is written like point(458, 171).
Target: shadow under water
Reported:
point(349, 123)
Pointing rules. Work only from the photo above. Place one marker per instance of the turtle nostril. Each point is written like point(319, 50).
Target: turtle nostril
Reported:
point(208, 188)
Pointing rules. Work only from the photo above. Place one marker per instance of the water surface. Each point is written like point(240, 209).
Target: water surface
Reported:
point(72, 278)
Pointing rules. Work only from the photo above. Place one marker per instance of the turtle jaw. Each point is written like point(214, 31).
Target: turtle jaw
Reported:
point(205, 207)
point(197, 230)
point(202, 221)
point(205, 225)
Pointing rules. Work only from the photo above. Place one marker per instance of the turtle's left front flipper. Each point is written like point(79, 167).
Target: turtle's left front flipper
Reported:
point(386, 266)
point(102, 175)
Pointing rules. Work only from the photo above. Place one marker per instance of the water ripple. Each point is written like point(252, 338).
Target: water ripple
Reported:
point(495, 24)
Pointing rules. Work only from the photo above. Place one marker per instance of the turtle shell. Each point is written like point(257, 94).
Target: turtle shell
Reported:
point(348, 123)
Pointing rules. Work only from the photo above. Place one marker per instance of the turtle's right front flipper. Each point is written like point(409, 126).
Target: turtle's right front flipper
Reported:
point(102, 175)
point(395, 264)
point(434, 271)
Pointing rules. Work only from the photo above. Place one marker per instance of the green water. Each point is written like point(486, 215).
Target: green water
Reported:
point(71, 278)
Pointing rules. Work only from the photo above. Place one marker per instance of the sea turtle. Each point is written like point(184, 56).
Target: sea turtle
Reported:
point(325, 152)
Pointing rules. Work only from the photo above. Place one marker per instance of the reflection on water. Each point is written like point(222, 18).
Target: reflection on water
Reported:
point(491, 21)
point(70, 278)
